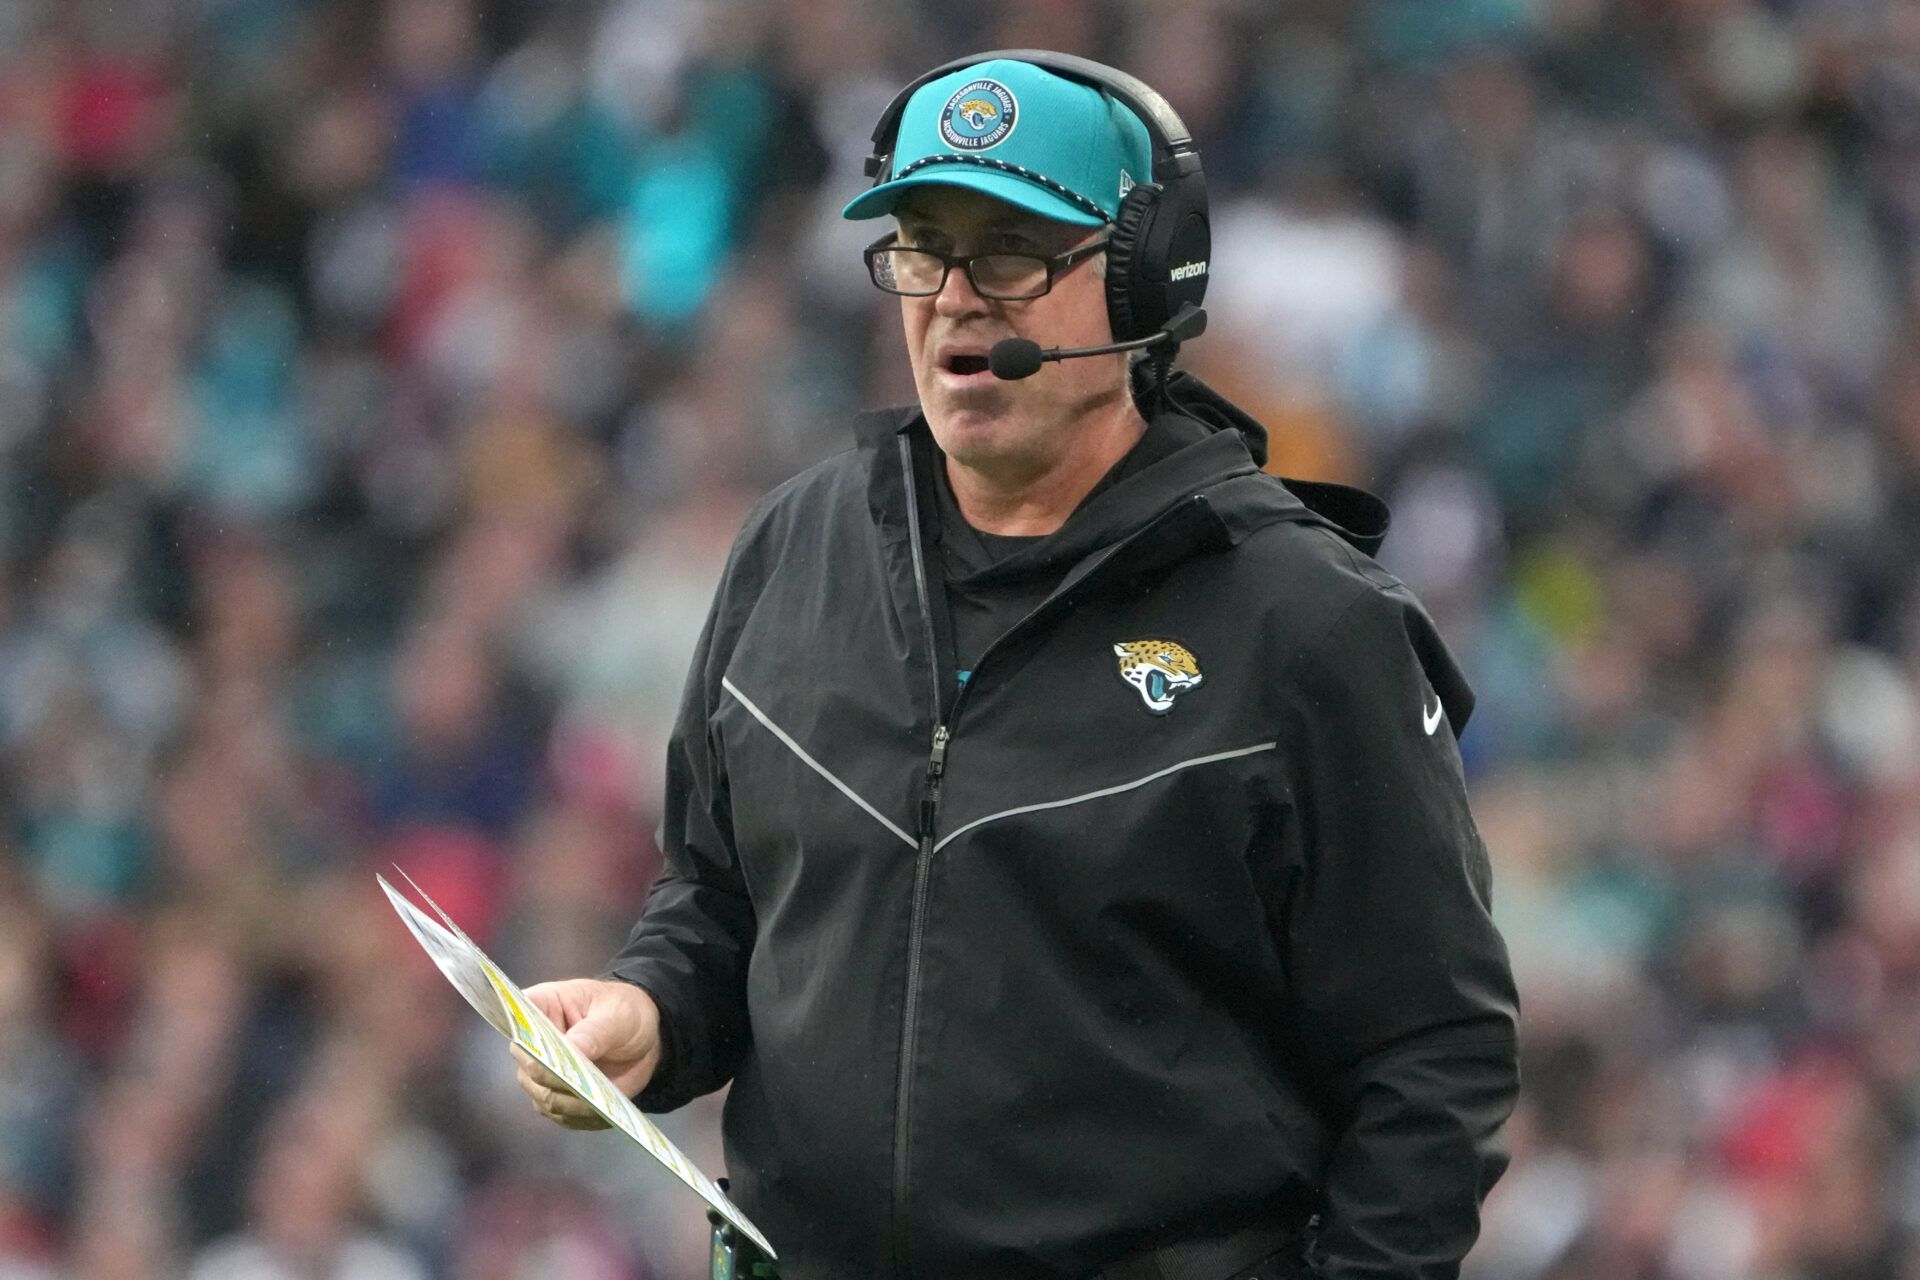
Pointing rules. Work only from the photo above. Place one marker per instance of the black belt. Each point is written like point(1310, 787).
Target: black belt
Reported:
point(1215, 1258)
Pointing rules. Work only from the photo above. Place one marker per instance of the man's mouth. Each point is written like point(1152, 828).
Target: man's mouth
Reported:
point(965, 366)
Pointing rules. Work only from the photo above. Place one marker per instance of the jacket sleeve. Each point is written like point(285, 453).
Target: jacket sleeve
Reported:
point(1403, 1002)
point(692, 943)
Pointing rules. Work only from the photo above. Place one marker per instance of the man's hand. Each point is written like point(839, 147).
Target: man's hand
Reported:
point(615, 1025)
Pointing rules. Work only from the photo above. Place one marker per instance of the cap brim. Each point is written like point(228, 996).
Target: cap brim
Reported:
point(1015, 190)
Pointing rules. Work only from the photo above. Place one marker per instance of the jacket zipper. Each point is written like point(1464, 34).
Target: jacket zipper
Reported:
point(929, 815)
point(922, 872)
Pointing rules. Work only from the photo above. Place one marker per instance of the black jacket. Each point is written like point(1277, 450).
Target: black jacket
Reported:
point(1017, 982)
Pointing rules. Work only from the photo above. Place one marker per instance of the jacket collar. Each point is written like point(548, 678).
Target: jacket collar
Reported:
point(1219, 476)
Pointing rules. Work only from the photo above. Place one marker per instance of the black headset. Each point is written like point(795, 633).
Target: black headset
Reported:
point(1160, 231)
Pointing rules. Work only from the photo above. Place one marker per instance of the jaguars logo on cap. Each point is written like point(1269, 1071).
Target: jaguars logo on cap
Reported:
point(979, 116)
point(1159, 669)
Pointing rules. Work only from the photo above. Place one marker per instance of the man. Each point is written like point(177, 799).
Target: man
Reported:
point(1064, 864)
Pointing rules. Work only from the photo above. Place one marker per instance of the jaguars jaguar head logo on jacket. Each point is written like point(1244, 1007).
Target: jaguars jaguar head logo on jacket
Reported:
point(1160, 669)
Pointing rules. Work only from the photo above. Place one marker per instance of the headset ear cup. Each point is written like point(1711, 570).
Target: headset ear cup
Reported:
point(1130, 309)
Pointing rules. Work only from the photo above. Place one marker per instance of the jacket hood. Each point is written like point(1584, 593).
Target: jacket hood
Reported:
point(1359, 517)
point(1209, 491)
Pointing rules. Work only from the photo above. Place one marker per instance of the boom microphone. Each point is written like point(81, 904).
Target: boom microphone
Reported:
point(1014, 358)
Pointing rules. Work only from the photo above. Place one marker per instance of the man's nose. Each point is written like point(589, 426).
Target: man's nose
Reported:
point(958, 297)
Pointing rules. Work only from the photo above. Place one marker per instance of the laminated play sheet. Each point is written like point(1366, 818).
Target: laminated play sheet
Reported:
point(507, 1008)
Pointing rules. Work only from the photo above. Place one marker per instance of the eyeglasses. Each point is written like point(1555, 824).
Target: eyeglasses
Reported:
point(1004, 277)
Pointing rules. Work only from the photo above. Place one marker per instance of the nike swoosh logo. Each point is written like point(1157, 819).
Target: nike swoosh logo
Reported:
point(1431, 719)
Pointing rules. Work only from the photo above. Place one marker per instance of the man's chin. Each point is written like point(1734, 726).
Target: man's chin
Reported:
point(969, 438)
point(982, 393)
point(980, 413)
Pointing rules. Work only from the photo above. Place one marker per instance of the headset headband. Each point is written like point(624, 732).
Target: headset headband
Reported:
point(1173, 153)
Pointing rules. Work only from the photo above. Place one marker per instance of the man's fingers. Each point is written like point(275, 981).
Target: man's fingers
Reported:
point(533, 1072)
point(547, 1001)
point(551, 1096)
point(559, 1102)
point(589, 1037)
point(608, 1023)
point(550, 1092)
point(561, 1105)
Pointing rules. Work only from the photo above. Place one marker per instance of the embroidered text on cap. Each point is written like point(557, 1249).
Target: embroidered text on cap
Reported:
point(979, 116)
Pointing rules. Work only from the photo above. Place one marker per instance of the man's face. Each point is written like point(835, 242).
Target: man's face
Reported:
point(1012, 428)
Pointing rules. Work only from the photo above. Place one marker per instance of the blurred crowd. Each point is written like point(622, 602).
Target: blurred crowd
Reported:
point(381, 382)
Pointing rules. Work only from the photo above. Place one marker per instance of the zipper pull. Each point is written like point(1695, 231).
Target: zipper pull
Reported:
point(936, 766)
point(937, 762)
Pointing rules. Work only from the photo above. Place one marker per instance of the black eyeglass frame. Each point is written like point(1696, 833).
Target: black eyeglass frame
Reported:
point(1056, 266)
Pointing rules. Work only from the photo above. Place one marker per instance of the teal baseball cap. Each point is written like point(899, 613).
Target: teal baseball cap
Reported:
point(1050, 145)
